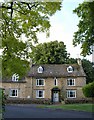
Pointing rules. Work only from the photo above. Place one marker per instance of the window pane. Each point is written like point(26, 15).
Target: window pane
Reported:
point(40, 93)
point(70, 81)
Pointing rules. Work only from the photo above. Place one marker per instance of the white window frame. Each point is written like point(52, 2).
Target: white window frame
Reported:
point(68, 93)
point(37, 82)
point(40, 69)
point(73, 81)
point(37, 93)
point(15, 77)
point(10, 93)
point(55, 81)
point(70, 71)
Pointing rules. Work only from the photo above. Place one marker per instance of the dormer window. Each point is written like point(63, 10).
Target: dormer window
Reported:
point(70, 69)
point(40, 69)
point(15, 77)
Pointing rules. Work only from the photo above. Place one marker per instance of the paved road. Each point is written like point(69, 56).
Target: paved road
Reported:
point(32, 111)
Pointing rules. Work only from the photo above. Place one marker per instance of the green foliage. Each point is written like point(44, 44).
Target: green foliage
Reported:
point(88, 90)
point(71, 61)
point(22, 18)
point(85, 32)
point(53, 52)
point(89, 70)
point(2, 101)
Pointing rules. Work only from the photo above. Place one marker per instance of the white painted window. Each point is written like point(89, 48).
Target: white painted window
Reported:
point(71, 82)
point(70, 69)
point(40, 69)
point(71, 93)
point(55, 82)
point(39, 93)
point(13, 93)
point(40, 82)
point(15, 77)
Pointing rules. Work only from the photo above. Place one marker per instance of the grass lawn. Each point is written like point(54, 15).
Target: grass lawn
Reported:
point(78, 107)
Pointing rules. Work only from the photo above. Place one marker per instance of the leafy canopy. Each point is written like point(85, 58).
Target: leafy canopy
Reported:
point(85, 32)
point(53, 52)
point(22, 18)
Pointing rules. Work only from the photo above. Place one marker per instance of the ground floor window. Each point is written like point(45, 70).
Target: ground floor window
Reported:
point(39, 93)
point(71, 93)
point(13, 92)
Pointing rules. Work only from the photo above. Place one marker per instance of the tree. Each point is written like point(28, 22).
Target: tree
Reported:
point(89, 70)
point(71, 61)
point(20, 18)
point(88, 90)
point(53, 52)
point(85, 32)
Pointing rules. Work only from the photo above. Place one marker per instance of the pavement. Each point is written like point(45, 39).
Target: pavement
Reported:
point(33, 111)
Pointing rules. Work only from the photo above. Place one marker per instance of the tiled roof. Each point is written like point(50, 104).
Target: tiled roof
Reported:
point(56, 70)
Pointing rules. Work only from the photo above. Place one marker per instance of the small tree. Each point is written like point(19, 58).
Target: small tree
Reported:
point(88, 90)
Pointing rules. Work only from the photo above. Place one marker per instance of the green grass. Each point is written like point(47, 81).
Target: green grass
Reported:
point(78, 107)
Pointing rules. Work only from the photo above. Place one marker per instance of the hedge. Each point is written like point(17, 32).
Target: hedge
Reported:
point(28, 101)
point(83, 100)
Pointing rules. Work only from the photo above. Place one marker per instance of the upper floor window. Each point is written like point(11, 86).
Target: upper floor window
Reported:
point(55, 81)
point(13, 93)
point(70, 69)
point(15, 77)
point(71, 82)
point(40, 69)
point(40, 82)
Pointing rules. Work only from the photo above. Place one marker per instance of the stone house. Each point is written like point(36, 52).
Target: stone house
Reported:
point(49, 81)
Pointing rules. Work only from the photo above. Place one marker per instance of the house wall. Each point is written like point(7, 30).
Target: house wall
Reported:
point(79, 83)
point(62, 85)
point(49, 84)
point(28, 89)
point(19, 86)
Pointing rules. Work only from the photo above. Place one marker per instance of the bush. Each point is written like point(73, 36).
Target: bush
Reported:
point(28, 101)
point(88, 90)
point(80, 101)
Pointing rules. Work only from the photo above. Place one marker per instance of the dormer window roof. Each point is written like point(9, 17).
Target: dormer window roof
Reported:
point(40, 69)
point(70, 69)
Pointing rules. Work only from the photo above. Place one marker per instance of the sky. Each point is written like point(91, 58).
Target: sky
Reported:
point(63, 25)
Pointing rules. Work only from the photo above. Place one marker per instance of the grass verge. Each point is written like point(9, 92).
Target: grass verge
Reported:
point(77, 107)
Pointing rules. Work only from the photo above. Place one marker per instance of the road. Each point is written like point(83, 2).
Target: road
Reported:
point(32, 111)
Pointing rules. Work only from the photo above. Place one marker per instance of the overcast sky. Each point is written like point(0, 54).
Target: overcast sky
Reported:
point(63, 25)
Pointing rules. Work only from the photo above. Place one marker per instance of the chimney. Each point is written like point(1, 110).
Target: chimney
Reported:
point(30, 65)
point(79, 61)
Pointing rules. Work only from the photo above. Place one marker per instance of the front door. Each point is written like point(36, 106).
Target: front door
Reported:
point(55, 97)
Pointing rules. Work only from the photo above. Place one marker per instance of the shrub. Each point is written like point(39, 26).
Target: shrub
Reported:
point(28, 101)
point(80, 101)
point(88, 90)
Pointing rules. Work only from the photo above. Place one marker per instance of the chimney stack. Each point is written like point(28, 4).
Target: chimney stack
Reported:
point(30, 62)
point(79, 61)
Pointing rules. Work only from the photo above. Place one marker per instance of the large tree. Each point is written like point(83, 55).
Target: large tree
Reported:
point(85, 32)
point(53, 52)
point(89, 70)
point(18, 18)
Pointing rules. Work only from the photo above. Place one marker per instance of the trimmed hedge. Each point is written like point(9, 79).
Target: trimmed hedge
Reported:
point(83, 100)
point(28, 101)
